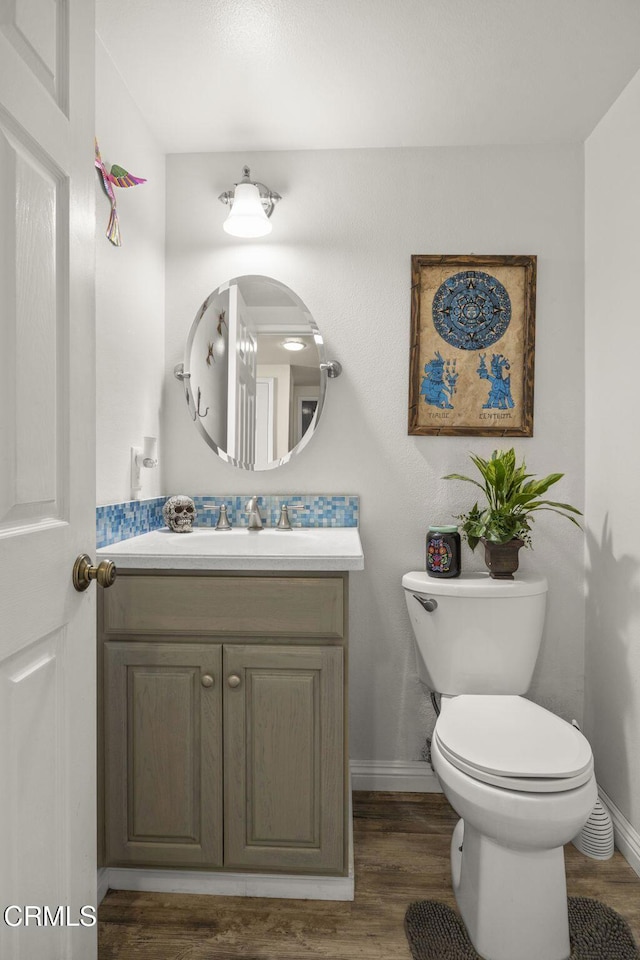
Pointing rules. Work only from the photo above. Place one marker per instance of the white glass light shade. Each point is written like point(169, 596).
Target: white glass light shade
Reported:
point(247, 217)
point(293, 345)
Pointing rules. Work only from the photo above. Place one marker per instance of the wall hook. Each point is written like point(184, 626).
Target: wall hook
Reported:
point(201, 415)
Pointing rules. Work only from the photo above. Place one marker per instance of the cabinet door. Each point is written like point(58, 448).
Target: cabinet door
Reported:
point(284, 758)
point(163, 773)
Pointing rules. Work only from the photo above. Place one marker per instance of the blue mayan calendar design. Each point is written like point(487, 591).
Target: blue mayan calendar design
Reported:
point(500, 394)
point(471, 310)
point(439, 382)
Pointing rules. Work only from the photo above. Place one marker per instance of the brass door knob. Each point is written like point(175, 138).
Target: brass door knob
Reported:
point(234, 680)
point(84, 572)
point(207, 680)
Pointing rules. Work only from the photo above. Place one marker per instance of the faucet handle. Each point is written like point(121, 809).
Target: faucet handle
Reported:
point(284, 522)
point(223, 519)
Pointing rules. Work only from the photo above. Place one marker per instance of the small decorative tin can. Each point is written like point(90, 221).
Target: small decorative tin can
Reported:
point(443, 552)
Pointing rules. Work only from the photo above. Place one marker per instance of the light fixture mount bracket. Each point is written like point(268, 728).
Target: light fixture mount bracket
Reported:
point(268, 198)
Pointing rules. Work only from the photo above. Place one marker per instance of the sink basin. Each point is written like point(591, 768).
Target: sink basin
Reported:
point(305, 548)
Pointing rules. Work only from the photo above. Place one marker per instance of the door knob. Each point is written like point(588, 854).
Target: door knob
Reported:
point(234, 680)
point(207, 680)
point(84, 572)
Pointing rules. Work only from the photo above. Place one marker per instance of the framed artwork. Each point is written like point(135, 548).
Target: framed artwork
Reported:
point(472, 345)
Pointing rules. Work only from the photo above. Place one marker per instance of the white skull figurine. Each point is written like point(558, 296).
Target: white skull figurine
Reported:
point(179, 514)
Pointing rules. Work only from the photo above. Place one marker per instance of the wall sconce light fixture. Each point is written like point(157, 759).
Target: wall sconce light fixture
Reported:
point(251, 206)
point(146, 456)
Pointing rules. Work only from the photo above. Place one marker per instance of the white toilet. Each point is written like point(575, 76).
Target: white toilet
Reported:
point(520, 778)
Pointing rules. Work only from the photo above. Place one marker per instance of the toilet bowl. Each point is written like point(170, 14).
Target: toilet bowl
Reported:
point(517, 811)
point(520, 778)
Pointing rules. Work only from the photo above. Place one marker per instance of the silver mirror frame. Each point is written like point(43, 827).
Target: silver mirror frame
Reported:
point(182, 373)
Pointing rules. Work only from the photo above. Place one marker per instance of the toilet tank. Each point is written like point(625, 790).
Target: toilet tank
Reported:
point(483, 636)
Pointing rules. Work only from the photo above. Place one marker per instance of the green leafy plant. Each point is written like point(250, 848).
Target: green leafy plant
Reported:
point(512, 495)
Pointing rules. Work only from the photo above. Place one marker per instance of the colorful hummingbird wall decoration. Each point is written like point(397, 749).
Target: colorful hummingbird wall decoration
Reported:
point(118, 177)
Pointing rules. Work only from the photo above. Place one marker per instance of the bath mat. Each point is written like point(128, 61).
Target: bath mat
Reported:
point(436, 932)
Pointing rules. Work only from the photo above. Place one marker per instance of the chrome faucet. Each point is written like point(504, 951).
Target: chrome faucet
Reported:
point(284, 523)
point(255, 520)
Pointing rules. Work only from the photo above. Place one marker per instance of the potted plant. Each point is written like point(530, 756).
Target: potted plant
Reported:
point(513, 496)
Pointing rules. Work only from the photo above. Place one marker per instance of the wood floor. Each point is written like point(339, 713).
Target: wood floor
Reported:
point(401, 854)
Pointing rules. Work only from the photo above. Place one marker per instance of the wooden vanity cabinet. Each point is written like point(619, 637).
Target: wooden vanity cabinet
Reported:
point(283, 758)
point(224, 736)
point(163, 753)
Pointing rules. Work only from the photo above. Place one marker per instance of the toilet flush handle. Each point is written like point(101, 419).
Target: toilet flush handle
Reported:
point(428, 603)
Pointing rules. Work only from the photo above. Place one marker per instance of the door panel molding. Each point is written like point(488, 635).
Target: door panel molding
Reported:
point(34, 289)
point(38, 32)
point(32, 698)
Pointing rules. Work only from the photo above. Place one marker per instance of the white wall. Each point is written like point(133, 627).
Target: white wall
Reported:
point(342, 239)
point(612, 703)
point(129, 291)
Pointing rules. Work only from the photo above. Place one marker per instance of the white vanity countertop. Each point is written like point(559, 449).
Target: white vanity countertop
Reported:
point(303, 548)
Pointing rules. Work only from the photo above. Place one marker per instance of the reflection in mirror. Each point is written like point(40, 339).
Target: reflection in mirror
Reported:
point(252, 372)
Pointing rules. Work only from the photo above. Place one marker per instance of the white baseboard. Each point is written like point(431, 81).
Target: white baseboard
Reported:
point(229, 884)
point(627, 838)
point(103, 884)
point(394, 776)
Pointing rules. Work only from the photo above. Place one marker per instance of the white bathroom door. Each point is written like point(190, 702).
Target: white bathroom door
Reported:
point(47, 484)
point(241, 410)
point(265, 421)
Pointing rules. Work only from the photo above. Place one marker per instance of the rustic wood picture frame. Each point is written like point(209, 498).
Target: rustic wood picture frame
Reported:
point(472, 353)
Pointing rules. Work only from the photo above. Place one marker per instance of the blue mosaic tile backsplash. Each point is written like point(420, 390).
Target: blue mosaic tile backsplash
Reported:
point(119, 521)
point(317, 511)
point(305, 510)
point(208, 509)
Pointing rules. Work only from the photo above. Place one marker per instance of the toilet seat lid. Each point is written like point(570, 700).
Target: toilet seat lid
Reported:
point(511, 737)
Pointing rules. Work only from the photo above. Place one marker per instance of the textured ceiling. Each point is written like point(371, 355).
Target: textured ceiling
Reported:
point(222, 75)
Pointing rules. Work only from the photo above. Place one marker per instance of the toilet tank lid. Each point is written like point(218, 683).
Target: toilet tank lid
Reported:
point(512, 737)
point(474, 585)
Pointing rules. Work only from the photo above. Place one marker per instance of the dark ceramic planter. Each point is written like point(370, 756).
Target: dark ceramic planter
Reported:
point(502, 558)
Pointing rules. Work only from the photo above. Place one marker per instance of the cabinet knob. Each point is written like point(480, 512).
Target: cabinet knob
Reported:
point(207, 680)
point(234, 680)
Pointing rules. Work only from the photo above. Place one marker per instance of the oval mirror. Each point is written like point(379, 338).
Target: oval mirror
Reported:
point(252, 374)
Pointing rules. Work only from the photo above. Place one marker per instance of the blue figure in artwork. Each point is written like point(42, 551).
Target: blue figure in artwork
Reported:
point(439, 382)
point(500, 394)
